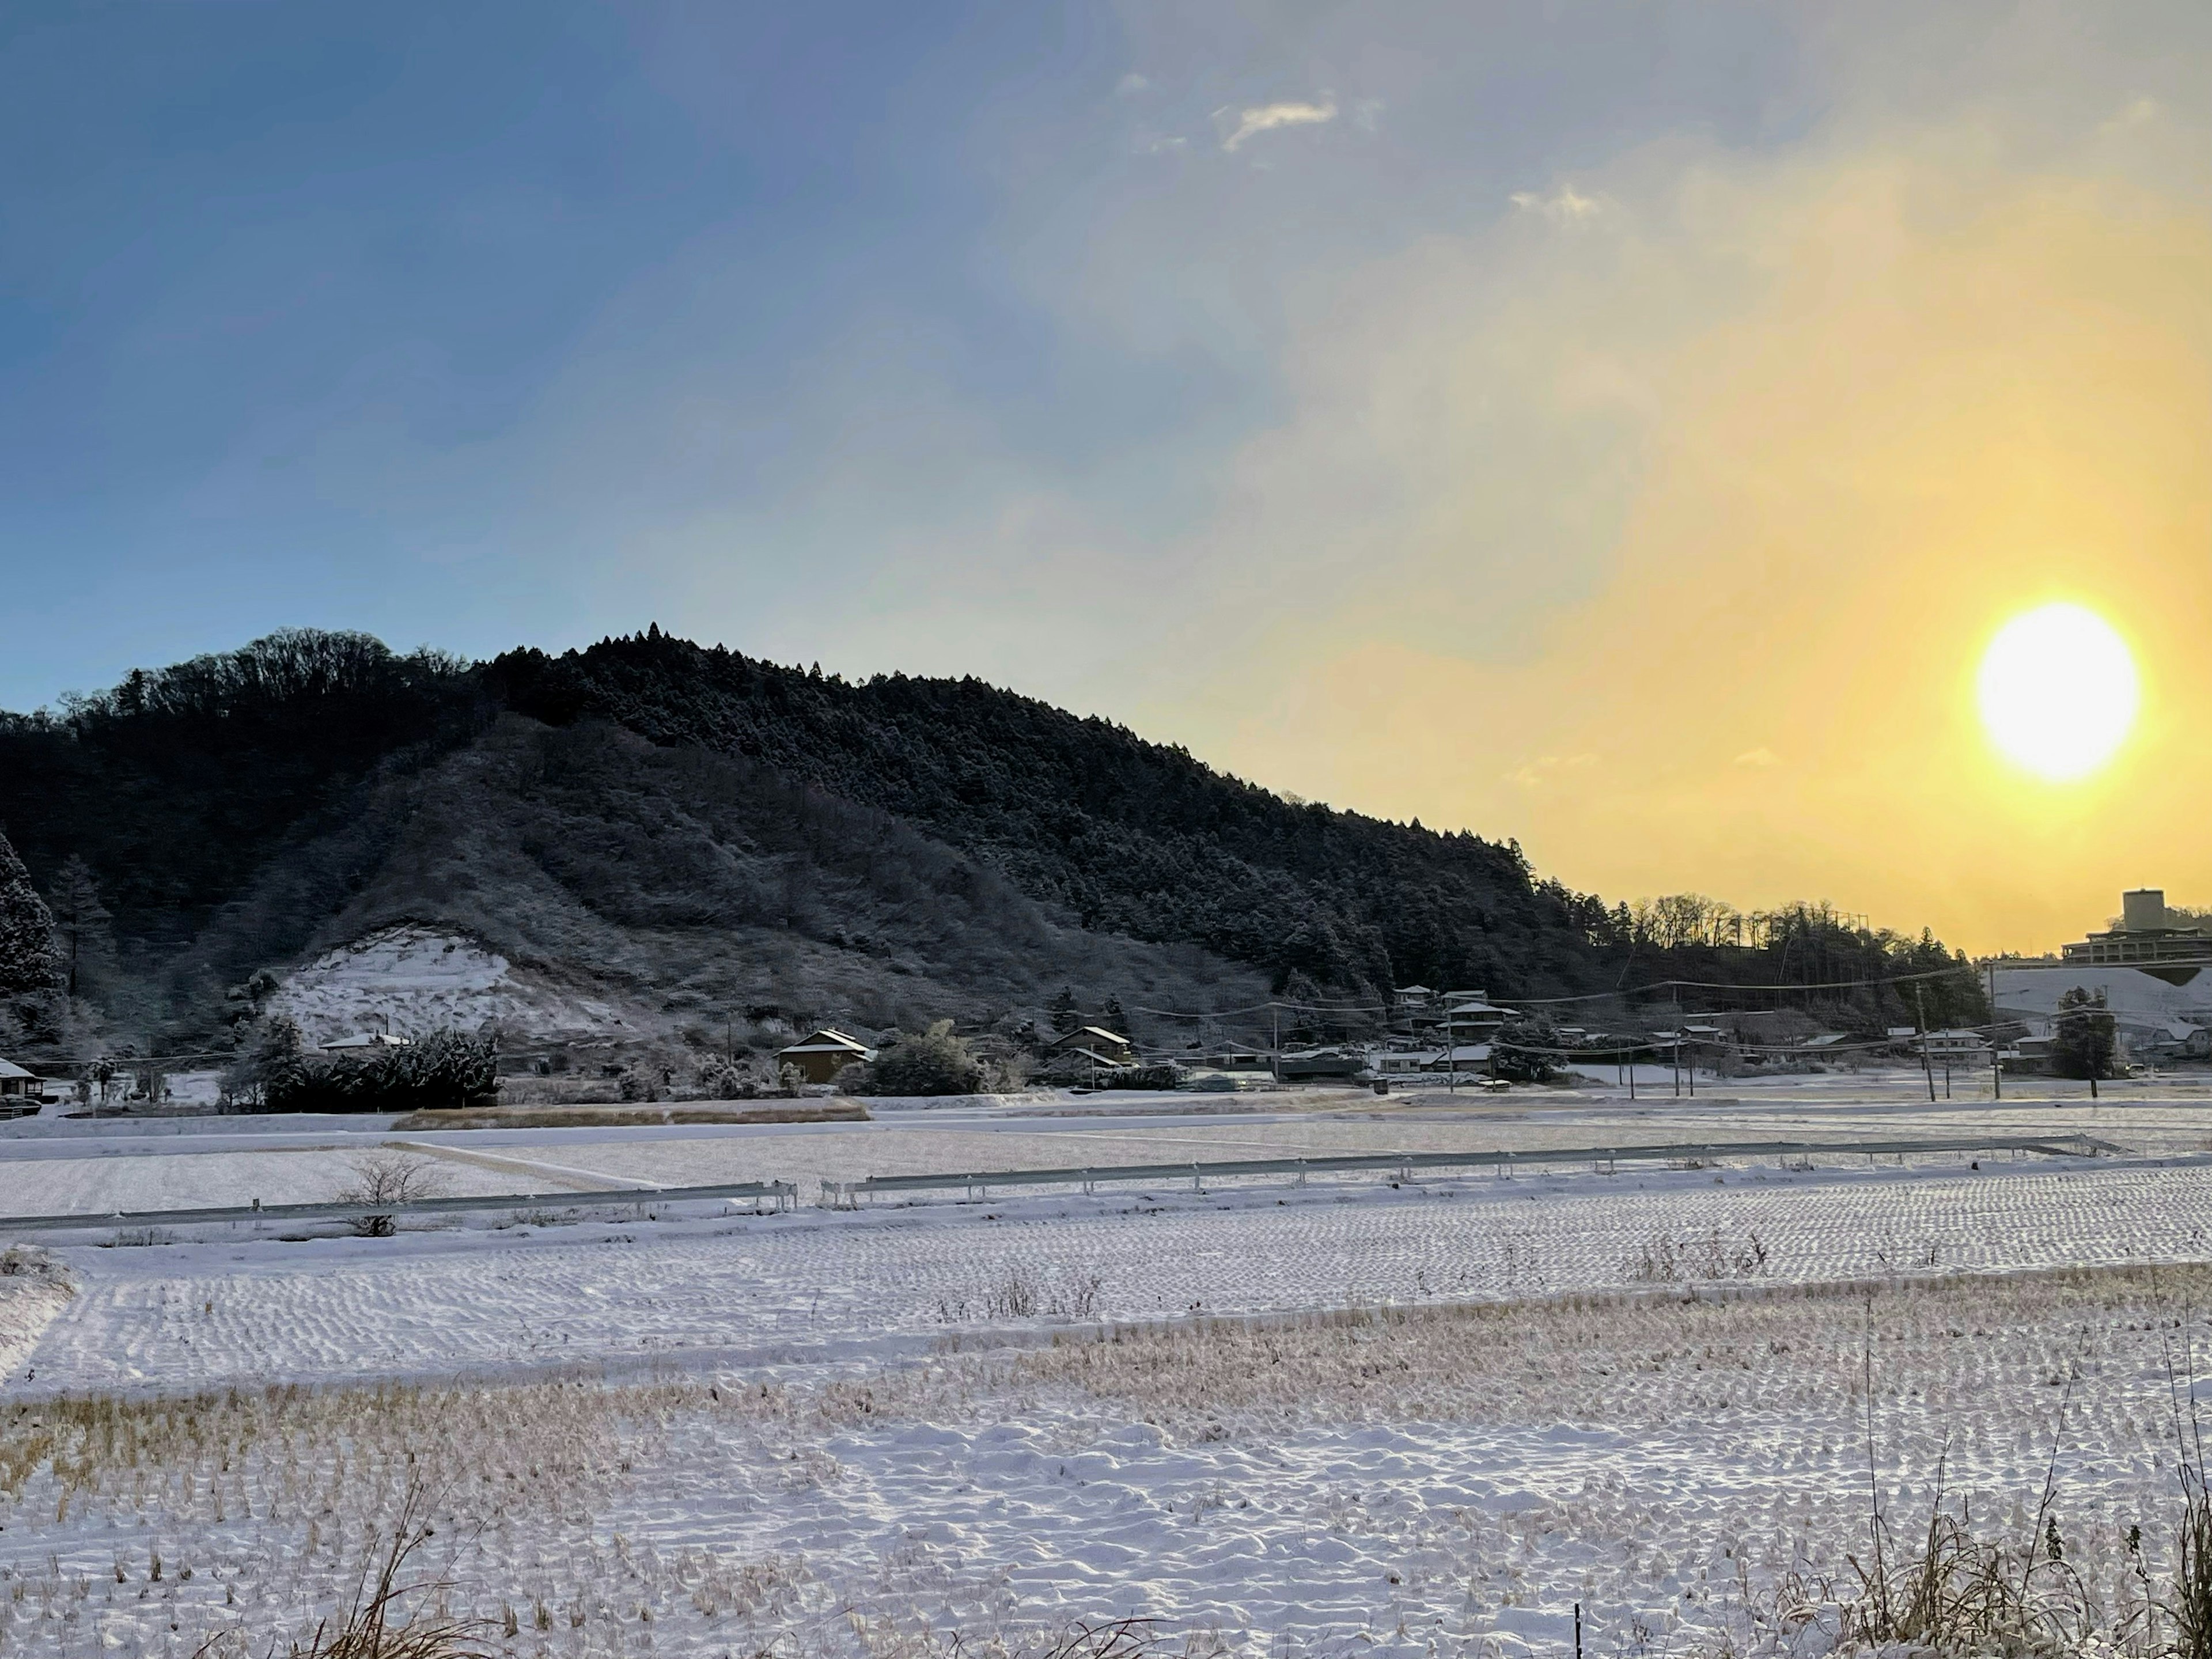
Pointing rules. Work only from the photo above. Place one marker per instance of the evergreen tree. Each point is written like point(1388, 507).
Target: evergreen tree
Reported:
point(81, 923)
point(2085, 1038)
point(1116, 1021)
point(1065, 1015)
point(26, 930)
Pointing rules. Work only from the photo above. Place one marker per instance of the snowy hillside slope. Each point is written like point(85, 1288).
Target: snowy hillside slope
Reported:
point(412, 978)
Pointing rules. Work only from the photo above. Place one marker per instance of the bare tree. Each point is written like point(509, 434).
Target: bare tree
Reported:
point(389, 1178)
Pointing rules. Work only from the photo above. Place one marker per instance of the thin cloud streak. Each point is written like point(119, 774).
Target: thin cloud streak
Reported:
point(1268, 118)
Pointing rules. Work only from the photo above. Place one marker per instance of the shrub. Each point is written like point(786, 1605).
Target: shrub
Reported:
point(1165, 1075)
point(1525, 1051)
point(381, 1178)
point(931, 1062)
point(444, 1069)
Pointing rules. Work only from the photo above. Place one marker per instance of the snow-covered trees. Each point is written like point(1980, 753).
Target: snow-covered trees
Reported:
point(83, 939)
point(28, 962)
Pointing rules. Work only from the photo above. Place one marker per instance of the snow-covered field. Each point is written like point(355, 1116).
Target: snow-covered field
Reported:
point(1424, 1420)
point(49, 1166)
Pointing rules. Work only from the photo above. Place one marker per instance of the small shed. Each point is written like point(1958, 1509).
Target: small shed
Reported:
point(818, 1057)
point(1110, 1047)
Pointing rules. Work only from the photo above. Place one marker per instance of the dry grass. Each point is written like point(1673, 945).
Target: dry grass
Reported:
point(1644, 1354)
point(386, 1617)
point(603, 1117)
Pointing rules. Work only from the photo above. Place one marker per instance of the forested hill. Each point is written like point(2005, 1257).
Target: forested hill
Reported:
point(1131, 837)
point(187, 791)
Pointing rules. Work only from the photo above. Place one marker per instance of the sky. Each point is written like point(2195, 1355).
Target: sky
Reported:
point(1617, 427)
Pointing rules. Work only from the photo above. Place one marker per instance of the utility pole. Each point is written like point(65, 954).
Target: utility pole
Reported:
point(1996, 1063)
point(1920, 1004)
point(1675, 1070)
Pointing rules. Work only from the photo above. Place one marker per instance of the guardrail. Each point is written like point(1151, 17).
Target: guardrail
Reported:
point(785, 1193)
point(847, 1194)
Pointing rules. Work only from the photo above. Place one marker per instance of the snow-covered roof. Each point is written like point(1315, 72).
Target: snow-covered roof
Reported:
point(365, 1039)
point(1420, 1059)
point(1095, 1033)
point(827, 1040)
point(9, 1069)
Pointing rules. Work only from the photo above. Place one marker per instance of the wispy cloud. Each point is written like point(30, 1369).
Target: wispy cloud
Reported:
point(1760, 758)
point(1243, 124)
point(1133, 85)
point(1567, 206)
point(2138, 112)
point(1545, 768)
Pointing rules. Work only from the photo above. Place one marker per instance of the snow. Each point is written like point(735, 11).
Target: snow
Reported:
point(1456, 1479)
point(774, 1289)
point(422, 979)
point(1421, 1420)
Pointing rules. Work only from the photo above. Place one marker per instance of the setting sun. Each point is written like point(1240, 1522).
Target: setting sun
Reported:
point(2057, 690)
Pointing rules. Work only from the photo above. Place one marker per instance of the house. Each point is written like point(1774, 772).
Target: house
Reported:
point(362, 1042)
point(1474, 1013)
point(1304, 1065)
point(1107, 1047)
point(1239, 1060)
point(1098, 1063)
point(1958, 1047)
point(1396, 1062)
point(1466, 1057)
point(820, 1056)
point(21, 1091)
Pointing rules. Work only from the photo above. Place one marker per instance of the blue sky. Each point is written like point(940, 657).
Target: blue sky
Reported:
point(1615, 425)
point(529, 323)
